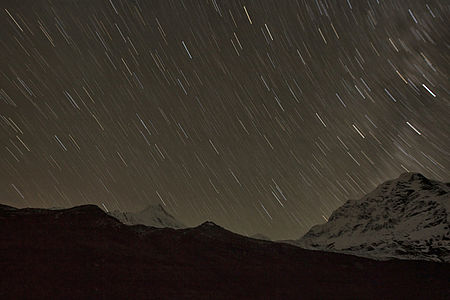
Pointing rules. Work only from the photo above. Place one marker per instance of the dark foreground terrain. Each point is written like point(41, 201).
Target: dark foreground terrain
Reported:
point(84, 253)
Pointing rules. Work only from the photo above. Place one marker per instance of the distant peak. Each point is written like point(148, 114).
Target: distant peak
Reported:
point(406, 217)
point(208, 224)
point(209, 228)
point(412, 176)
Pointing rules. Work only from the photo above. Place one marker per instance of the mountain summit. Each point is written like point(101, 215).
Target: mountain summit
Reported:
point(406, 218)
point(152, 215)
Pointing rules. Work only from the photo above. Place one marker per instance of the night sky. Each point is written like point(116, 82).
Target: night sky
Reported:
point(262, 116)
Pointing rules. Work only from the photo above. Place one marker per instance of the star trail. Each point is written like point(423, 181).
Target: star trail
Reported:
point(262, 116)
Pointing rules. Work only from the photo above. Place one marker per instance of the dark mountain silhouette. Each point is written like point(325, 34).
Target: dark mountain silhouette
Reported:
point(84, 253)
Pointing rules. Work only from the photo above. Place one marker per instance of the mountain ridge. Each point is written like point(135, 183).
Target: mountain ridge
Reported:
point(85, 253)
point(154, 215)
point(407, 218)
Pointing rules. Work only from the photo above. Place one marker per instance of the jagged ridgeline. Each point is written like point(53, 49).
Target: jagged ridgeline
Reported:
point(405, 218)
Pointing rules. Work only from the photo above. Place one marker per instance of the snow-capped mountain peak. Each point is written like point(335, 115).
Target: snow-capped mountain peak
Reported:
point(152, 215)
point(407, 218)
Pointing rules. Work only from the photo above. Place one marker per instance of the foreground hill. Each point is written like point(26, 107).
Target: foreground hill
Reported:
point(407, 218)
point(153, 215)
point(84, 253)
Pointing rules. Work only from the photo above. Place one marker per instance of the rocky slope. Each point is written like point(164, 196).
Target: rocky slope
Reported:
point(406, 218)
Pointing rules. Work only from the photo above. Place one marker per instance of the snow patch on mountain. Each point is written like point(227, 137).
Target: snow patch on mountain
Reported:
point(153, 215)
point(405, 218)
